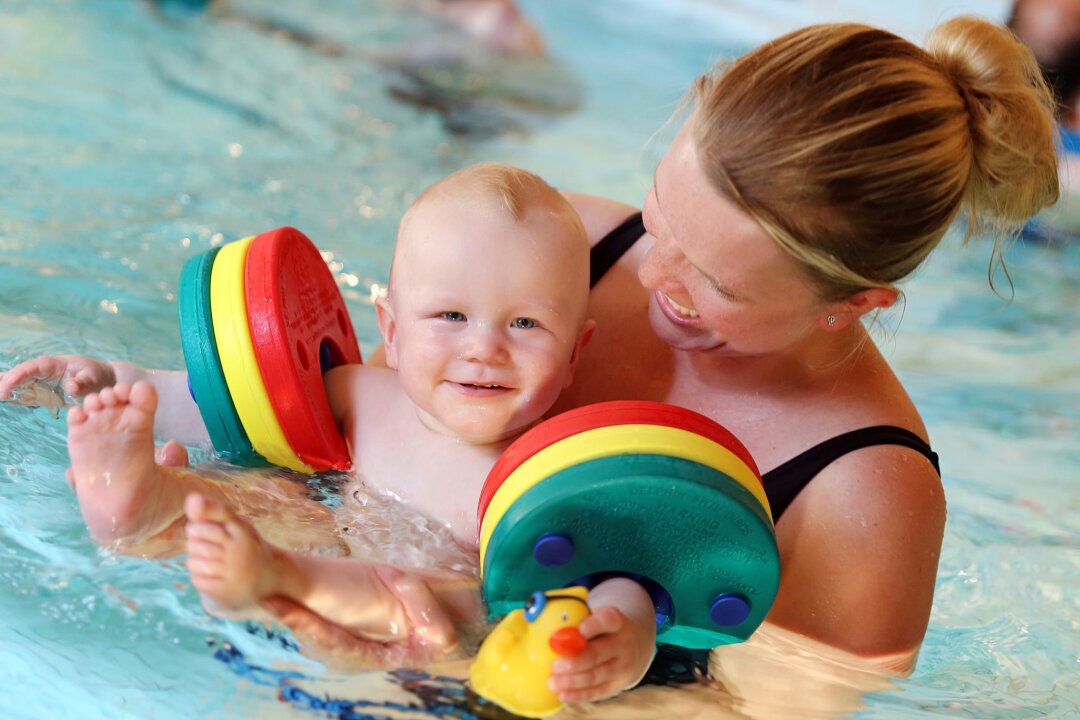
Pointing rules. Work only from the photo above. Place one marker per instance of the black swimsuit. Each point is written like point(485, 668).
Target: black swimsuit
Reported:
point(783, 483)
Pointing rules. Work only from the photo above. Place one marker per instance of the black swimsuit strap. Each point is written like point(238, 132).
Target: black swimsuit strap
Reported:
point(783, 483)
point(612, 246)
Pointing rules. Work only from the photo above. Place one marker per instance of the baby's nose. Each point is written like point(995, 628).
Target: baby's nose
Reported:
point(486, 345)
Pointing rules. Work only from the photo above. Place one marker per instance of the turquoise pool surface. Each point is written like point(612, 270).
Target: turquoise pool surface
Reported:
point(134, 135)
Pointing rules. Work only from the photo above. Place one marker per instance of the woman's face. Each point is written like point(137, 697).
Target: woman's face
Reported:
point(720, 283)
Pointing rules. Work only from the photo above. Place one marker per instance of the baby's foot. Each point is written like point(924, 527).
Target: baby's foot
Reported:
point(111, 443)
point(230, 565)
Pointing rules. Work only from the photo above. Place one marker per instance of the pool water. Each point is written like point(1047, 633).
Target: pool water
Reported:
point(134, 135)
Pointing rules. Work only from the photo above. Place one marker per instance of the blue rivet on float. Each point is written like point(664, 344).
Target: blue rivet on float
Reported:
point(326, 356)
point(553, 550)
point(729, 610)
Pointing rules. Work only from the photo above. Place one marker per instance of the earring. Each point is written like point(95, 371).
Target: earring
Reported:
point(831, 320)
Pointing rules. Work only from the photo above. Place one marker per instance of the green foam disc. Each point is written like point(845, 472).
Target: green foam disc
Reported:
point(205, 374)
point(690, 528)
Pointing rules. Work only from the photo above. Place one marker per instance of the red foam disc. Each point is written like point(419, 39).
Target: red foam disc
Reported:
point(604, 414)
point(299, 323)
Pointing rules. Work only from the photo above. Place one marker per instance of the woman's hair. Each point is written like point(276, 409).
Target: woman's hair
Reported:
point(856, 149)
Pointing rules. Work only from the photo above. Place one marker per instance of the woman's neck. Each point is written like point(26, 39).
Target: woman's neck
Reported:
point(818, 359)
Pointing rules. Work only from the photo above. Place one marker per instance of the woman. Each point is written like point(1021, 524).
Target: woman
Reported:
point(811, 176)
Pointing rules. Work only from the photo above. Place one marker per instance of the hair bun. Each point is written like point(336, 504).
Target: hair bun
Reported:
point(1013, 132)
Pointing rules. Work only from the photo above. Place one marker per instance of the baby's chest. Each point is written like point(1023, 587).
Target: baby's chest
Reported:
point(443, 480)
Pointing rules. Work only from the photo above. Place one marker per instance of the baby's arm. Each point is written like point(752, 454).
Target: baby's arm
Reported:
point(180, 420)
point(622, 636)
point(77, 376)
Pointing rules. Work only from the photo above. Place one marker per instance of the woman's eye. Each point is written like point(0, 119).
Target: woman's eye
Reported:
point(524, 323)
point(719, 290)
point(453, 316)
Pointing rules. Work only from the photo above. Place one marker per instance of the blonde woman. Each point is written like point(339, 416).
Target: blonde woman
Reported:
point(811, 176)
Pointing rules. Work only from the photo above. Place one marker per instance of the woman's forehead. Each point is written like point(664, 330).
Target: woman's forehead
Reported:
point(715, 233)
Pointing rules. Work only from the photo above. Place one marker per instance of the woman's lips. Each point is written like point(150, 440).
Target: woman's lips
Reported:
point(676, 313)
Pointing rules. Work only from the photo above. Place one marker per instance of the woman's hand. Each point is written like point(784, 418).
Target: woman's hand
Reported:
point(72, 375)
point(616, 658)
point(431, 638)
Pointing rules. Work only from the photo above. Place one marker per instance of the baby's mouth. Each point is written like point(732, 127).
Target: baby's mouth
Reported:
point(480, 389)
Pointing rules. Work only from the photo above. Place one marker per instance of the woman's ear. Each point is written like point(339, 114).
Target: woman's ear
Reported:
point(388, 329)
point(842, 314)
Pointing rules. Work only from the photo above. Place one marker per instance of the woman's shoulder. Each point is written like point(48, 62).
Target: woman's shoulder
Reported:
point(599, 214)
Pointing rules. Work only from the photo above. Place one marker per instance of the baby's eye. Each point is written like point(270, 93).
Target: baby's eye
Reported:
point(453, 316)
point(524, 323)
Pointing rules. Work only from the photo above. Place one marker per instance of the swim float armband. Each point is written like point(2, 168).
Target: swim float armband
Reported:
point(644, 490)
point(261, 320)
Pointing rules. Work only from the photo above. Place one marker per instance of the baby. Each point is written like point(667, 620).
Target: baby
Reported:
point(484, 323)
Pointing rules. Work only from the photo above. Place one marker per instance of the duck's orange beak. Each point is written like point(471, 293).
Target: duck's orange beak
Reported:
point(568, 642)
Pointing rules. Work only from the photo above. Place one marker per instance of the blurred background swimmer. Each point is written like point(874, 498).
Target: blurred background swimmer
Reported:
point(485, 69)
point(1051, 28)
point(481, 65)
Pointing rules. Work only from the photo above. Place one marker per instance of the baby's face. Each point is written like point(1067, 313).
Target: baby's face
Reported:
point(485, 316)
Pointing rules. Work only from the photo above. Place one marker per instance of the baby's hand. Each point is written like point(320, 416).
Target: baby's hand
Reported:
point(73, 375)
point(617, 656)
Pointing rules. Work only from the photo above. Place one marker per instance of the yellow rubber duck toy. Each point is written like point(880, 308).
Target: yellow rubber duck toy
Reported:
point(514, 663)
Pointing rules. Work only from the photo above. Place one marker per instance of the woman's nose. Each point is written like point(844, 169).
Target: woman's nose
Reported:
point(660, 264)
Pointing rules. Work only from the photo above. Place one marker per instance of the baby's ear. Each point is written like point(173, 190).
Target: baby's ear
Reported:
point(388, 329)
point(579, 347)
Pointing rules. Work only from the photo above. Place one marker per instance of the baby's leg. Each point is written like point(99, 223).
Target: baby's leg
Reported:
point(233, 567)
point(126, 498)
point(230, 564)
point(123, 494)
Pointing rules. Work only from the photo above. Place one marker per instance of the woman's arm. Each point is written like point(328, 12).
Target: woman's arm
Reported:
point(599, 215)
point(859, 554)
point(376, 602)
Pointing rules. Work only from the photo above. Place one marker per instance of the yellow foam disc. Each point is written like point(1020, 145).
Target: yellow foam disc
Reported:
point(616, 440)
point(228, 311)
